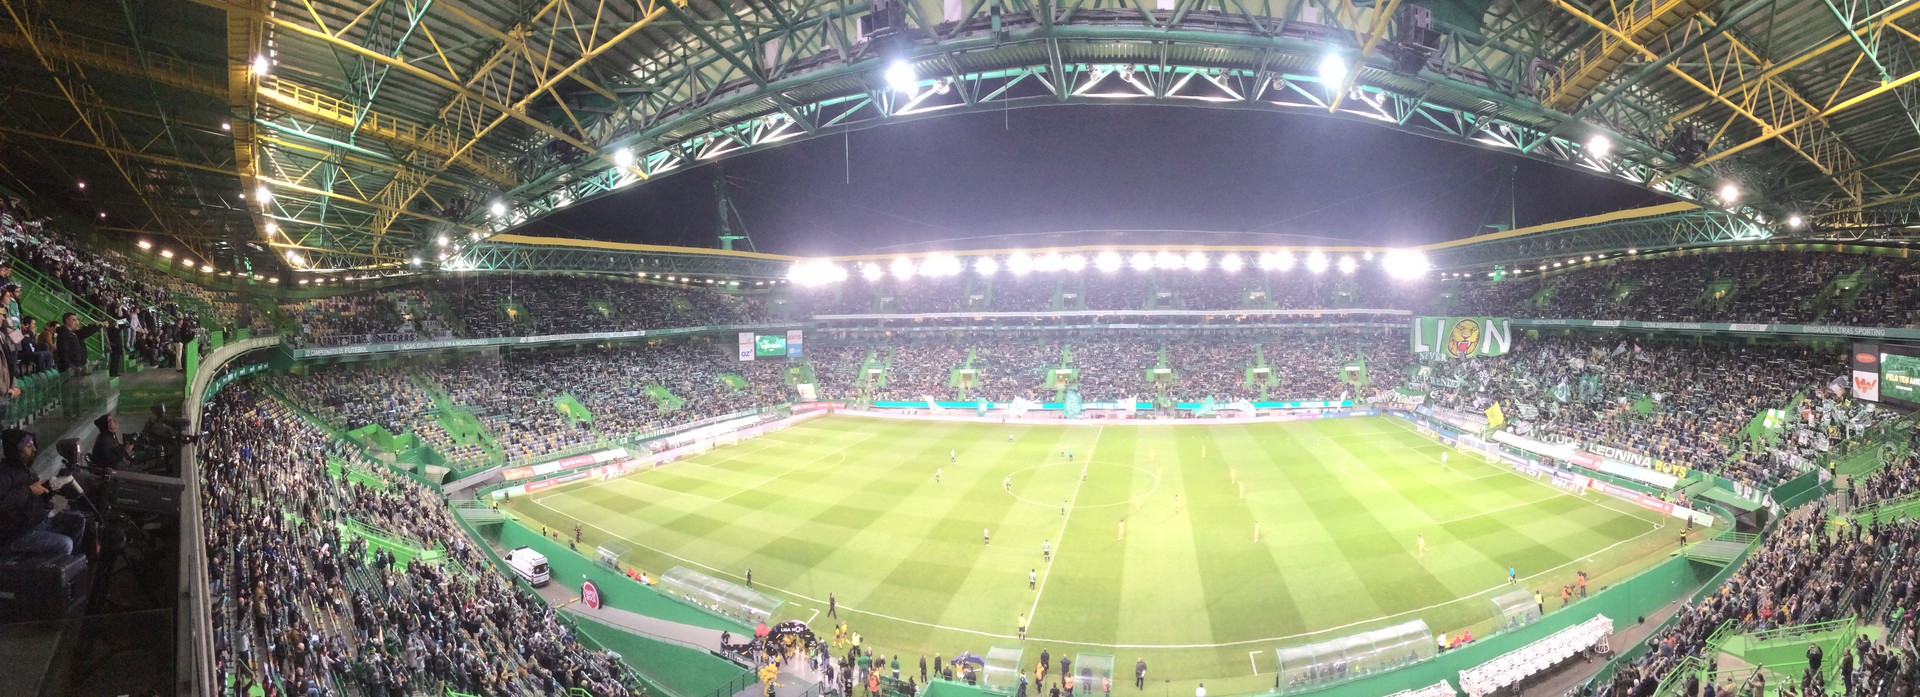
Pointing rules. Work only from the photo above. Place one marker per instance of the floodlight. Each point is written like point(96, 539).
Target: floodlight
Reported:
point(1317, 262)
point(1050, 262)
point(1795, 221)
point(168, 253)
point(103, 214)
point(83, 186)
point(871, 272)
point(902, 268)
point(226, 125)
point(294, 258)
point(1405, 264)
point(1348, 265)
point(1196, 261)
point(498, 208)
point(623, 158)
point(145, 244)
point(1333, 71)
point(1141, 261)
point(940, 265)
point(1633, 251)
point(207, 268)
point(1729, 193)
point(1074, 262)
point(1368, 256)
point(416, 261)
point(902, 78)
point(1599, 145)
point(1108, 261)
point(985, 266)
point(261, 65)
point(1231, 263)
point(1019, 263)
point(1167, 260)
point(441, 240)
point(261, 193)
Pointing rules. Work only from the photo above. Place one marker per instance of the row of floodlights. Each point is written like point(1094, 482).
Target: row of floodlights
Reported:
point(1402, 264)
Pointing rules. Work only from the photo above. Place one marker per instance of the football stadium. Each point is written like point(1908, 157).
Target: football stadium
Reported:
point(622, 348)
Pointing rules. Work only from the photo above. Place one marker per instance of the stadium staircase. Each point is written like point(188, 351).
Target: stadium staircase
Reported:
point(450, 412)
point(438, 305)
point(1721, 549)
point(1887, 511)
point(478, 512)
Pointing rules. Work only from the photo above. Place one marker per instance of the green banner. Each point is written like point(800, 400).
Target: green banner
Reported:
point(1461, 337)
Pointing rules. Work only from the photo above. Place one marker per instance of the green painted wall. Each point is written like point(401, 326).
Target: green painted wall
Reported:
point(618, 591)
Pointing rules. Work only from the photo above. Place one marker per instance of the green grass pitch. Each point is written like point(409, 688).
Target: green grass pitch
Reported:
point(850, 505)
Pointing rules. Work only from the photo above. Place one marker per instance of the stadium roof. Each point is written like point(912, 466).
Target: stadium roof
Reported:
point(376, 128)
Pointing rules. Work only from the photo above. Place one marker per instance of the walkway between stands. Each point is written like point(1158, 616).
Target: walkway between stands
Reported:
point(797, 679)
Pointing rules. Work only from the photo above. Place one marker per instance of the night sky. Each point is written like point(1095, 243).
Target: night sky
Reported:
point(996, 179)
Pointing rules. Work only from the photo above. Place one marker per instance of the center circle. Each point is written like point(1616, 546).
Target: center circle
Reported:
point(1053, 483)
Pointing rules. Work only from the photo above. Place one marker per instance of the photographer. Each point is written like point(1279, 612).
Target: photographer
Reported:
point(28, 523)
point(108, 451)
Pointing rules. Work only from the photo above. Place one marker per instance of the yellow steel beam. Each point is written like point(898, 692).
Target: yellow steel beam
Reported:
point(1376, 29)
point(587, 54)
point(245, 37)
point(436, 139)
point(115, 151)
point(1775, 132)
point(114, 58)
point(1628, 214)
point(302, 188)
point(298, 29)
point(100, 126)
point(1715, 95)
point(512, 40)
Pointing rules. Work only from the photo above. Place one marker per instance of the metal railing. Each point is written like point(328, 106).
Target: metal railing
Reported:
point(194, 653)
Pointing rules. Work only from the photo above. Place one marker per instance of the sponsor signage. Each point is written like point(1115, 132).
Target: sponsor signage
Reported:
point(589, 595)
point(1866, 372)
point(1461, 337)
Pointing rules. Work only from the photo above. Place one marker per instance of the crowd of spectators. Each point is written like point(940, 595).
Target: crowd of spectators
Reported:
point(1680, 401)
point(1758, 286)
point(527, 305)
point(403, 314)
point(516, 398)
point(1806, 571)
point(1897, 479)
point(1110, 366)
point(302, 605)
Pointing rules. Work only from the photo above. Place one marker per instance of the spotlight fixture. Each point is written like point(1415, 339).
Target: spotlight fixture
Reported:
point(901, 77)
point(1599, 145)
point(1333, 71)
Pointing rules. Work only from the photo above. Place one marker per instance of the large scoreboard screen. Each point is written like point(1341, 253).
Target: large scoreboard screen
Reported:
point(1900, 375)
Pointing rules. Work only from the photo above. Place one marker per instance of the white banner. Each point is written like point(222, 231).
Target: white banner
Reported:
point(746, 346)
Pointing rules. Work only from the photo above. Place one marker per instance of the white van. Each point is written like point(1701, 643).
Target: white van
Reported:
point(531, 565)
